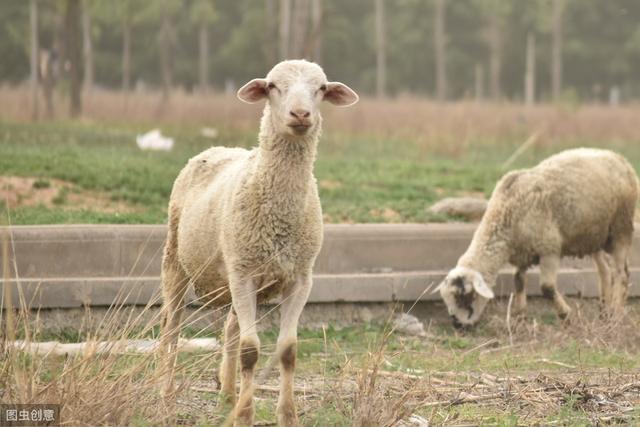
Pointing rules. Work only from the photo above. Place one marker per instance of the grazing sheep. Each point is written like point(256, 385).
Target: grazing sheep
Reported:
point(246, 226)
point(576, 203)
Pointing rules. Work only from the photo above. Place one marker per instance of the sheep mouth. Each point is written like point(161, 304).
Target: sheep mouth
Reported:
point(459, 326)
point(300, 129)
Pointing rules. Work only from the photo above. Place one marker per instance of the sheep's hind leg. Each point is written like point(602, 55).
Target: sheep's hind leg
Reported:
point(229, 364)
point(549, 265)
point(174, 287)
point(621, 282)
point(605, 278)
point(520, 283)
point(243, 294)
point(294, 298)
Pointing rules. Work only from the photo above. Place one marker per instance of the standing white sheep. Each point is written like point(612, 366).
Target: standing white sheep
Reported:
point(576, 203)
point(246, 226)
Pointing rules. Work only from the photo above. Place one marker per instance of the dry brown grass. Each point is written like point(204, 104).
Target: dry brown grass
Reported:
point(93, 387)
point(369, 388)
point(420, 118)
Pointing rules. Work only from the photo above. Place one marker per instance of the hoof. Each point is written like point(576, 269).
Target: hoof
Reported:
point(226, 399)
point(287, 417)
point(520, 318)
point(606, 313)
point(244, 419)
point(565, 316)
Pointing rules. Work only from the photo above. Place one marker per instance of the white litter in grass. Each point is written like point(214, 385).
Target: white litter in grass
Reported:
point(414, 421)
point(208, 132)
point(122, 346)
point(410, 325)
point(154, 140)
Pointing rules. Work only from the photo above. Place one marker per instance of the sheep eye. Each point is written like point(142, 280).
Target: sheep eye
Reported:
point(271, 85)
point(323, 88)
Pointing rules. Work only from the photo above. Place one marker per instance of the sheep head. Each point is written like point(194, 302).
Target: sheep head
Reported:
point(294, 90)
point(466, 294)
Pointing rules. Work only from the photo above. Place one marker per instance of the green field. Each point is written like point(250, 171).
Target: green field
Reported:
point(362, 178)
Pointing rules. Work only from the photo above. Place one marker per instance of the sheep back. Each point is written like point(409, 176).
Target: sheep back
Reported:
point(574, 203)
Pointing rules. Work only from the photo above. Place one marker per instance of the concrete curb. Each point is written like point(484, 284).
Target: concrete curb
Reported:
point(66, 266)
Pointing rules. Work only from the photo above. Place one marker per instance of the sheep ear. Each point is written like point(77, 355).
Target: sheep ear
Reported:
point(481, 288)
point(253, 91)
point(340, 94)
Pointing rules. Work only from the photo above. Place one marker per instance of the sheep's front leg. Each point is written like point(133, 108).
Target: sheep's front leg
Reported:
point(243, 294)
point(520, 282)
point(604, 273)
point(549, 265)
point(294, 298)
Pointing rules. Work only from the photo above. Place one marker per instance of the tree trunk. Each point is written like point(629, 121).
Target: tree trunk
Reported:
point(285, 28)
point(270, 42)
point(530, 73)
point(51, 63)
point(204, 57)
point(440, 46)
point(165, 41)
point(73, 54)
point(300, 25)
point(556, 49)
point(495, 48)
point(381, 62)
point(87, 48)
point(479, 82)
point(315, 45)
point(126, 49)
point(33, 15)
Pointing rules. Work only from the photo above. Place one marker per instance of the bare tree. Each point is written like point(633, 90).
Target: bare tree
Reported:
point(73, 53)
point(203, 15)
point(530, 73)
point(479, 82)
point(495, 56)
point(126, 46)
point(166, 41)
point(439, 41)
point(315, 40)
point(301, 11)
point(270, 41)
point(50, 60)
point(285, 28)
point(203, 57)
point(556, 49)
point(381, 61)
point(87, 47)
point(33, 15)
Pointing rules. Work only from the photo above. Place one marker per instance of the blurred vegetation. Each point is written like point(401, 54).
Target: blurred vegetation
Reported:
point(600, 49)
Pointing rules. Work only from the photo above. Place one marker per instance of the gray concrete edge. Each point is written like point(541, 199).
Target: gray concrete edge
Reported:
point(327, 288)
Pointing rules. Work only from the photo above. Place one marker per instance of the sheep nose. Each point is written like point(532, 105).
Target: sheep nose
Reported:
point(299, 113)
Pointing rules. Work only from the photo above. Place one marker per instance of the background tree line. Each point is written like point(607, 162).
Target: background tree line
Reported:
point(536, 50)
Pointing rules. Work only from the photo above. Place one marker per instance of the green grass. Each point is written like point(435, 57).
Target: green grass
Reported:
point(359, 177)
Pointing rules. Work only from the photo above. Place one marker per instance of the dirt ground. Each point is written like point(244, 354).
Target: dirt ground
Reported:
point(16, 191)
point(535, 370)
point(353, 368)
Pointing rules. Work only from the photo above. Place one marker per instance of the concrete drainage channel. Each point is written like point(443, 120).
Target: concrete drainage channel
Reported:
point(362, 268)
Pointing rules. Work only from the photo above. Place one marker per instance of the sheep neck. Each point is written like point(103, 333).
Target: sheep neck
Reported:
point(285, 166)
point(487, 253)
